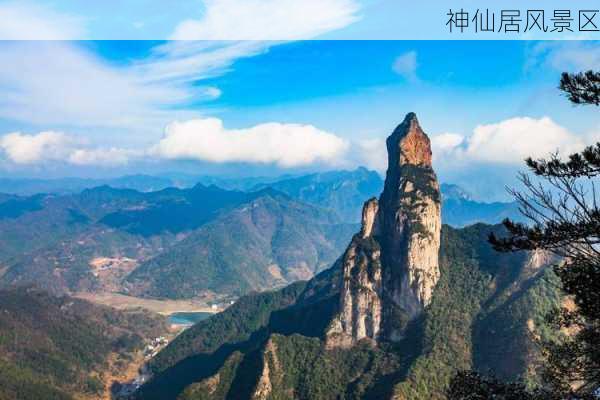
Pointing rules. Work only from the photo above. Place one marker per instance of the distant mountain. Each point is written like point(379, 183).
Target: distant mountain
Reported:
point(139, 182)
point(451, 191)
point(459, 209)
point(267, 242)
point(92, 241)
point(247, 184)
point(55, 348)
point(342, 192)
point(408, 304)
point(28, 187)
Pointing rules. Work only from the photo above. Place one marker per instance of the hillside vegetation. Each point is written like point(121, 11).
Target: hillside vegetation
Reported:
point(59, 347)
point(172, 243)
point(482, 297)
point(268, 242)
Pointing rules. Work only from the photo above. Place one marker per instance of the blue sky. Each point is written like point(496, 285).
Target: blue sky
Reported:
point(105, 108)
point(114, 107)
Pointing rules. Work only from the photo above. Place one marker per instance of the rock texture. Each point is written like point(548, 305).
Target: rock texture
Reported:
point(264, 387)
point(361, 295)
point(391, 267)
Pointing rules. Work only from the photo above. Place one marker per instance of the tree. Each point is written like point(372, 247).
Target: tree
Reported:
point(581, 88)
point(561, 203)
point(468, 385)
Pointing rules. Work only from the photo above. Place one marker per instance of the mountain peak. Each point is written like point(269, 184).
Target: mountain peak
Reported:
point(391, 267)
point(409, 144)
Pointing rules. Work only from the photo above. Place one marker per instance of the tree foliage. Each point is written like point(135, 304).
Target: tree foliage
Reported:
point(561, 203)
point(581, 88)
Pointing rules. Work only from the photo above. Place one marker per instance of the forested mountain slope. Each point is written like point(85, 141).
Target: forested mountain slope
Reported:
point(64, 348)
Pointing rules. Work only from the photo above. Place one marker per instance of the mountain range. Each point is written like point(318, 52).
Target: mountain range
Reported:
point(203, 241)
point(408, 303)
point(340, 192)
point(172, 243)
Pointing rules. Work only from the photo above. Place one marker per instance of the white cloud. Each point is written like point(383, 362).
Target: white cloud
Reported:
point(29, 149)
point(102, 156)
point(64, 84)
point(287, 145)
point(25, 20)
point(445, 142)
point(50, 146)
point(212, 92)
point(60, 83)
point(406, 65)
point(572, 56)
point(267, 19)
point(371, 153)
point(187, 61)
point(507, 142)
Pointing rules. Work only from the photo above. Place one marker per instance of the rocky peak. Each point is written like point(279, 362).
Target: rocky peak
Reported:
point(408, 144)
point(391, 267)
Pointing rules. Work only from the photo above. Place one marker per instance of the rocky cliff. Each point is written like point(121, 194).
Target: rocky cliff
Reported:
point(391, 267)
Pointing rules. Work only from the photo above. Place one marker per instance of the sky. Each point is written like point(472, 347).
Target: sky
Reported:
point(266, 107)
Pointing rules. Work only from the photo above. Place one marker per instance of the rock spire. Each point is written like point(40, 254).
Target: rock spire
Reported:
point(391, 267)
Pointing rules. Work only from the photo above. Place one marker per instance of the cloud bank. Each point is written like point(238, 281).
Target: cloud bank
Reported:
point(50, 146)
point(286, 145)
point(30, 149)
point(507, 142)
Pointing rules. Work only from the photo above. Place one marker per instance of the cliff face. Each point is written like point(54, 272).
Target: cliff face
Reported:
point(362, 290)
point(391, 267)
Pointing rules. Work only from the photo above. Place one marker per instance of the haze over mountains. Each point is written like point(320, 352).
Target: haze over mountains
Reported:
point(342, 192)
point(407, 304)
point(202, 241)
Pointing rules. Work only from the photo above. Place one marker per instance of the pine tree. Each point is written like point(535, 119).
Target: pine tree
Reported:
point(582, 88)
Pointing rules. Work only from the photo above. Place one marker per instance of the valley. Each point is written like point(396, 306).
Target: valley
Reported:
point(164, 306)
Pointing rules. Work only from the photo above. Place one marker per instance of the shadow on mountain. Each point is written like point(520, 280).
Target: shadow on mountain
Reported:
point(15, 207)
point(171, 382)
point(175, 211)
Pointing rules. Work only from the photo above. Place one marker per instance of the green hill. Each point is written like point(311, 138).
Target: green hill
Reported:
point(59, 347)
point(268, 242)
point(484, 302)
point(177, 242)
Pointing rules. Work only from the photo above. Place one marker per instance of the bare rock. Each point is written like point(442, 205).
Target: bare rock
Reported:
point(391, 267)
